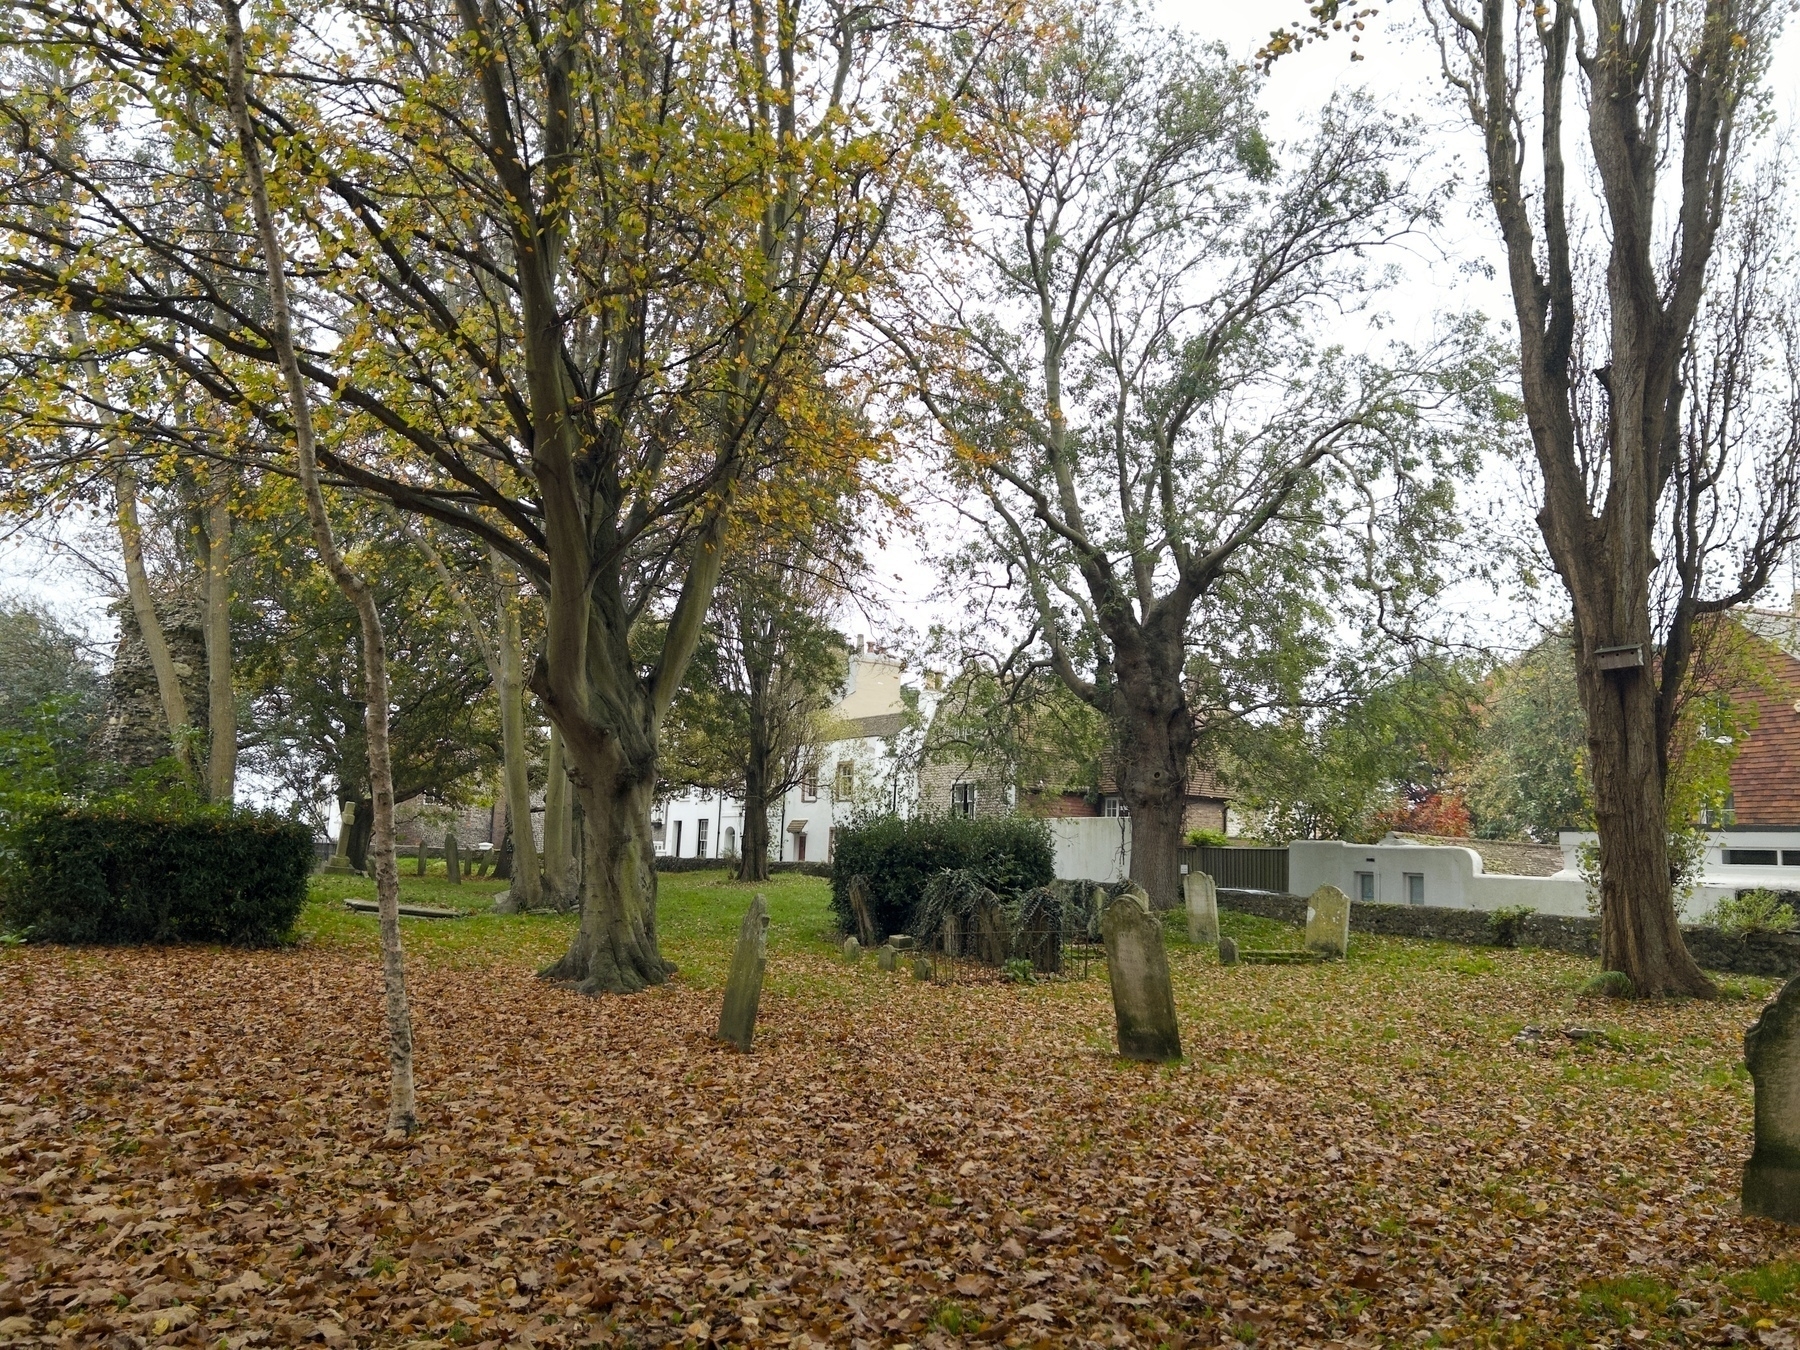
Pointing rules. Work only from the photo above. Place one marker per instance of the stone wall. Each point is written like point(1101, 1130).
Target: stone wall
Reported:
point(133, 732)
point(1776, 955)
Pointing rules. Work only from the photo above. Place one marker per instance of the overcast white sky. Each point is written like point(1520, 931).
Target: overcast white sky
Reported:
point(1398, 68)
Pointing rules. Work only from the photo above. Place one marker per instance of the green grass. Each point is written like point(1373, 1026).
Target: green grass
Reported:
point(1626, 1299)
point(698, 914)
point(1775, 1282)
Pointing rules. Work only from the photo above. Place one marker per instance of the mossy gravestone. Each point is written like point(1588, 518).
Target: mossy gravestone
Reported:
point(1202, 908)
point(1772, 1053)
point(743, 987)
point(421, 855)
point(1328, 922)
point(852, 950)
point(1138, 970)
point(452, 863)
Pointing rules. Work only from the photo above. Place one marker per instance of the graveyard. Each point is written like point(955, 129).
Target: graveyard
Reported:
point(1420, 1144)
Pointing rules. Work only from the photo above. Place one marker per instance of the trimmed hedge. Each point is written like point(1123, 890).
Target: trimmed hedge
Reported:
point(1007, 853)
point(137, 874)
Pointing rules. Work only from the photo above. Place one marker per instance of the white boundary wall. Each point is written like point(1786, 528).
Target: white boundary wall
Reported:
point(1091, 848)
point(1454, 877)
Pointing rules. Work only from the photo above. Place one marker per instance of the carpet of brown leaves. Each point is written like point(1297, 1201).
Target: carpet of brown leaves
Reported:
point(190, 1154)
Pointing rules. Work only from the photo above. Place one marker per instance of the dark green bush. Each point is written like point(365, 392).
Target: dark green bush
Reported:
point(161, 872)
point(1007, 854)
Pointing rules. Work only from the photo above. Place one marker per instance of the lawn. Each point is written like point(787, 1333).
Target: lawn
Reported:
point(1364, 1153)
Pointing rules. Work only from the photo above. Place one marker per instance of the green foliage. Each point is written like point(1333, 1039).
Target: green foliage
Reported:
point(1027, 728)
point(1354, 772)
point(1208, 839)
point(158, 870)
point(1757, 911)
point(962, 916)
point(1018, 970)
point(1507, 923)
point(50, 701)
point(1526, 780)
point(1005, 854)
point(1608, 984)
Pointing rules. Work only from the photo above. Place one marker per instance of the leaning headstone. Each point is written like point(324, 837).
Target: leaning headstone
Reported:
point(452, 862)
point(1328, 922)
point(852, 950)
point(1202, 908)
point(884, 956)
point(860, 913)
point(339, 862)
point(743, 987)
point(1138, 970)
point(1227, 952)
point(1772, 1054)
point(921, 969)
point(421, 855)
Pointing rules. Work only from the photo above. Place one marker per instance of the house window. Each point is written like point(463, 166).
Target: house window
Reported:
point(1751, 857)
point(1790, 857)
point(962, 800)
point(1415, 888)
point(659, 834)
point(730, 843)
point(700, 837)
point(1114, 807)
point(809, 786)
point(678, 839)
point(845, 788)
point(1365, 887)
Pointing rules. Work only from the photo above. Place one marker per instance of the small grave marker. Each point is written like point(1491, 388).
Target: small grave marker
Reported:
point(1202, 898)
point(852, 950)
point(1771, 1187)
point(1137, 967)
point(452, 862)
point(1228, 952)
point(743, 987)
point(1328, 922)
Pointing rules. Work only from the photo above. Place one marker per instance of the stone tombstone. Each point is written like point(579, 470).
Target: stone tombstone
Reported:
point(1772, 1054)
point(1202, 898)
point(421, 855)
point(452, 860)
point(339, 862)
point(921, 969)
point(743, 987)
point(1328, 922)
point(884, 956)
point(1227, 952)
point(860, 913)
point(852, 950)
point(1137, 967)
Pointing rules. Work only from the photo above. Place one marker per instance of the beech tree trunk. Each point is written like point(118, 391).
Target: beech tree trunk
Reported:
point(362, 830)
point(402, 1110)
point(1154, 727)
point(221, 692)
point(559, 858)
point(615, 949)
point(527, 886)
point(753, 847)
point(143, 609)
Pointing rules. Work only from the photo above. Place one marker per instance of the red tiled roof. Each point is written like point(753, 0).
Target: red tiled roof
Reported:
point(1765, 777)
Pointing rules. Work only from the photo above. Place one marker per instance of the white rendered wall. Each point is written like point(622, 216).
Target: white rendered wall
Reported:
point(1091, 848)
point(1454, 877)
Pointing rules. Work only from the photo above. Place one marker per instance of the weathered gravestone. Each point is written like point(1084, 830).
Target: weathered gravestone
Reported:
point(1328, 922)
point(1138, 970)
point(452, 862)
point(421, 855)
point(1772, 1053)
point(921, 969)
point(743, 987)
point(852, 950)
point(1227, 952)
point(884, 956)
point(339, 862)
point(860, 913)
point(1202, 898)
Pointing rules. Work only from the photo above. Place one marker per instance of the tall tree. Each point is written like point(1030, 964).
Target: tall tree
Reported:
point(556, 267)
point(1665, 92)
point(402, 1114)
point(1112, 333)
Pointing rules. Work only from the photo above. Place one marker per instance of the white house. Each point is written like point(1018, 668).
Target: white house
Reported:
point(863, 768)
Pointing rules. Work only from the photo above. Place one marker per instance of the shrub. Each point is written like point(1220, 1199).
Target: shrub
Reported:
point(1208, 839)
point(1757, 911)
point(157, 872)
point(1507, 924)
point(1007, 854)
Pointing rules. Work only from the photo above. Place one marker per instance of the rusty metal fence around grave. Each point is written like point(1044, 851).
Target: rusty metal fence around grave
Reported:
point(1238, 869)
point(1069, 953)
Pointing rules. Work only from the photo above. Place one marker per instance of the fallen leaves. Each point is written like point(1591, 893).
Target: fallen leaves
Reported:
point(191, 1139)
